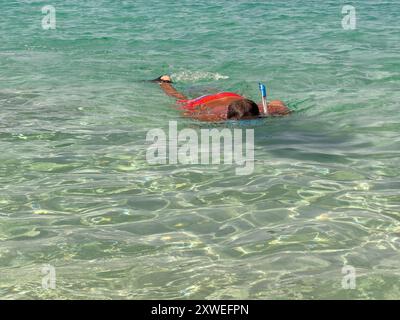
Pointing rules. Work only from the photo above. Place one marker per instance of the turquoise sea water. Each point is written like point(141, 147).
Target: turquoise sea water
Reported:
point(78, 194)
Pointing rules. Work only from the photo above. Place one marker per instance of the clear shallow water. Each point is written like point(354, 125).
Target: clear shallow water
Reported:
point(77, 192)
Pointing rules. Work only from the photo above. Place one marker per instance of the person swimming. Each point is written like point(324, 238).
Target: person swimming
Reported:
point(221, 106)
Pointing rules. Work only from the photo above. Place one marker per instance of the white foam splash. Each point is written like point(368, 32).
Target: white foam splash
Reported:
point(378, 75)
point(197, 75)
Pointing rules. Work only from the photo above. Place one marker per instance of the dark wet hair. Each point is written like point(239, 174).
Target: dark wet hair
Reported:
point(243, 108)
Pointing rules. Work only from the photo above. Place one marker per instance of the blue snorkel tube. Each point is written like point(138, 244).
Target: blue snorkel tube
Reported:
point(263, 90)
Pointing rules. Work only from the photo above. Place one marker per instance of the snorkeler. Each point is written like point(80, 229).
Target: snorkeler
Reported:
point(221, 106)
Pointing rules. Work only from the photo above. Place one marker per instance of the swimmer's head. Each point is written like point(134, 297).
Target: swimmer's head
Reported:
point(243, 109)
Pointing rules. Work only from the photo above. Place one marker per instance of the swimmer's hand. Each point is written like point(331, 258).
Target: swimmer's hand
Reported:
point(163, 79)
point(277, 108)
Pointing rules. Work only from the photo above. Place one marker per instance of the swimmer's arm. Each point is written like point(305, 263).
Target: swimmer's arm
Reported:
point(204, 117)
point(203, 114)
point(165, 83)
point(169, 90)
